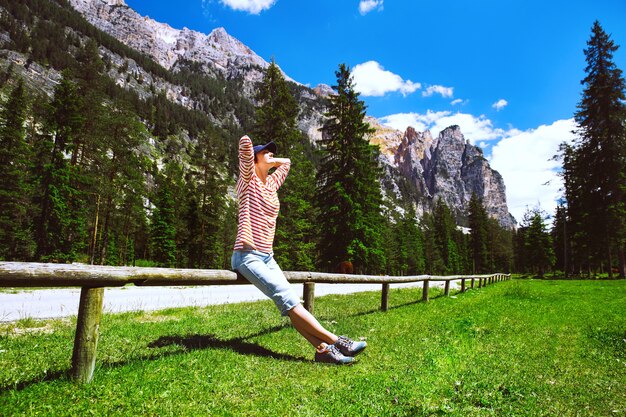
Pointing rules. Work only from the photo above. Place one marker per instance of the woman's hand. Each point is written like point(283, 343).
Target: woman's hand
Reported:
point(281, 161)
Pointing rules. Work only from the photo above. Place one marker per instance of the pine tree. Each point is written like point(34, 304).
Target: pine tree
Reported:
point(434, 261)
point(537, 242)
point(479, 238)
point(15, 235)
point(499, 247)
point(206, 204)
point(404, 243)
point(162, 224)
point(277, 111)
point(415, 243)
point(296, 236)
point(120, 175)
point(58, 226)
point(560, 240)
point(349, 194)
point(446, 235)
point(595, 169)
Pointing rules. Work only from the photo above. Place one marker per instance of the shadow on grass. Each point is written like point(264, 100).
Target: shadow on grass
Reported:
point(189, 342)
point(53, 376)
point(239, 345)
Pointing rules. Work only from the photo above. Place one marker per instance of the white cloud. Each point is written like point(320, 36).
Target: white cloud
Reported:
point(250, 6)
point(458, 101)
point(439, 89)
point(419, 122)
point(371, 79)
point(474, 128)
point(524, 161)
point(500, 104)
point(366, 6)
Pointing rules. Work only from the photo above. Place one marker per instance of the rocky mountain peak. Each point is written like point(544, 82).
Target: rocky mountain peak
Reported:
point(169, 46)
point(324, 90)
point(447, 168)
point(221, 40)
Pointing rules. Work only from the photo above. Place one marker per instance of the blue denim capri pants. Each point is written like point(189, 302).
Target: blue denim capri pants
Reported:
point(263, 272)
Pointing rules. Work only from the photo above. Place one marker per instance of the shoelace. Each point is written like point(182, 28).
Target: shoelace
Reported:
point(345, 342)
point(328, 349)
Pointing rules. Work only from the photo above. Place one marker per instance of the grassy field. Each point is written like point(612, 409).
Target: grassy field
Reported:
point(516, 348)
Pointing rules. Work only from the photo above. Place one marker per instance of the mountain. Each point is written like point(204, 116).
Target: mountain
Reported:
point(180, 63)
point(217, 53)
point(447, 167)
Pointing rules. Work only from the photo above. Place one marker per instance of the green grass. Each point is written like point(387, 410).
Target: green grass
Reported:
point(515, 348)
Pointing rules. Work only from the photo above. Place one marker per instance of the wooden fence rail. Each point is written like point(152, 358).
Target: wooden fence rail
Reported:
point(94, 278)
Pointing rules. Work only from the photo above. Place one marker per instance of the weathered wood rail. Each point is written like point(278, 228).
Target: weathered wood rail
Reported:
point(93, 279)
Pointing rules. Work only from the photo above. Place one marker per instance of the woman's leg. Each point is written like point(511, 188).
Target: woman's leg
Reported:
point(263, 271)
point(309, 327)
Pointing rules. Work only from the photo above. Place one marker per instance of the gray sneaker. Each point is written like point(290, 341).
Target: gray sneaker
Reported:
point(330, 354)
point(349, 347)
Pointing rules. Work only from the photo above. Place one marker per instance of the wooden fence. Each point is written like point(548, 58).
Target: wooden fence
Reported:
point(93, 279)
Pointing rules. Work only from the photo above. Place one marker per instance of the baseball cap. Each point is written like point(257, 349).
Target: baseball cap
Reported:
point(270, 146)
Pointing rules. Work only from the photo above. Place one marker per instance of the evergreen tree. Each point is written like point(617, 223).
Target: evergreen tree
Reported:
point(277, 111)
point(595, 168)
point(162, 224)
point(434, 260)
point(206, 208)
point(395, 239)
point(499, 247)
point(537, 242)
point(15, 236)
point(560, 240)
point(120, 174)
point(414, 243)
point(295, 238)
point(479, 237)
point(444, 234)
point(349, 194)
point(58, 227)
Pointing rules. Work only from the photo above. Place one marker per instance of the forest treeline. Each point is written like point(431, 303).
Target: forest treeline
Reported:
point(95, 174)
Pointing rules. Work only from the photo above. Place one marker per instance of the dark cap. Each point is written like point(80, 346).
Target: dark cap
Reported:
point(270, 146)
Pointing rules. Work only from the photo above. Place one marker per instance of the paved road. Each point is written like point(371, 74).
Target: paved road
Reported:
point(54, 303)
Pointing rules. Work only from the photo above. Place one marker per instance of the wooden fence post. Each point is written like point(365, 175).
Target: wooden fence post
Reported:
point(447, 288)
point(384, 297)
point(473, 279)
point(425, 290)
point(309, 296)
point(463, 285)
point(87, 332)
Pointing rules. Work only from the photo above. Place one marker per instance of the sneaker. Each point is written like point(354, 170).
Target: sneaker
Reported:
point(349, 347)
point(330, 354)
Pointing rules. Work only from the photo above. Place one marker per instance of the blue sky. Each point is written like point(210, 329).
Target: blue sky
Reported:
point(507, 72)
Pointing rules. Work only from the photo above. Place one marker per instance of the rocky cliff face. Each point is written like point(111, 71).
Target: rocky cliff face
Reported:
point(217, 51)
point(451, 169)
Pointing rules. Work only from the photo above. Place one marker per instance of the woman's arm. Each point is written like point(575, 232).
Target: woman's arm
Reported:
point(282, 169)
point(246, 158)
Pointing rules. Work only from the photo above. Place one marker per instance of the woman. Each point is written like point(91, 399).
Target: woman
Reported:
point(253, 256)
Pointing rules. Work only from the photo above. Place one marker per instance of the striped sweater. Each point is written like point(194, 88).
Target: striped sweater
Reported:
point(258, 201)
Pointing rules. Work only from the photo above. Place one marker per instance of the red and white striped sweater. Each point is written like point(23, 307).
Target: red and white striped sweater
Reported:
point(258, 201)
